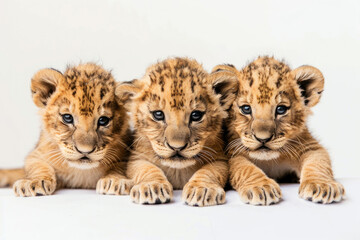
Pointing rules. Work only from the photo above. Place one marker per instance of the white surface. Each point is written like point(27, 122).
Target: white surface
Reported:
point(81, 214)
point(127, 36)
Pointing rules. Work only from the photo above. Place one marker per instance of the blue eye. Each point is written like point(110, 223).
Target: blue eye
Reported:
point(103, 121)
point(281, 110)
point(158, 115)
point(196, 116)
point(245, 109)
point(67, 118)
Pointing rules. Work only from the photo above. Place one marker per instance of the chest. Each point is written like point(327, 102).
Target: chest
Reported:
point(77, 178)
point(178, 177)
point(275, 169)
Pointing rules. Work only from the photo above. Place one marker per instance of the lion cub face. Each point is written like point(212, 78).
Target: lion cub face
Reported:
point(80, 113)
point(176, 107)
point(271, 106)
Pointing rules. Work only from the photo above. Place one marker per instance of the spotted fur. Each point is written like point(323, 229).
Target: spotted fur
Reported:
point(81, 154)
point(265, 146)
point(176, 152)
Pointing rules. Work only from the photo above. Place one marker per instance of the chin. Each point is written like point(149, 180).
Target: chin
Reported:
point(83, 165)
point(178, 163)
point(264, 155)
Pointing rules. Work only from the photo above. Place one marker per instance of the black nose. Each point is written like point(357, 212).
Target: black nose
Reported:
point(177, 148)
point(84, 152)
point(263, 140)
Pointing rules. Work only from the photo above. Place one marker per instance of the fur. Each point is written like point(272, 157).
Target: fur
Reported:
point(81, 154)
point(264, 146)
point(177, 153)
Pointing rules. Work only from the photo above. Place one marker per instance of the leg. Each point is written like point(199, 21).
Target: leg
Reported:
point(115, 182)
point(40, 180)
point(252, 184)
point(206, 186)
point(151, 185)
point(317, 183)
point(9, 176)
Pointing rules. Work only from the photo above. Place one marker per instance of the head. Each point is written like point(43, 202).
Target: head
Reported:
point(272, 104)
point(81, 113)
point(178, 107)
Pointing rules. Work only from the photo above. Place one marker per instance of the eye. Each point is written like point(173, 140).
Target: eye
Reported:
point(245, 109)
point(281, 110)
point(67, 118)
point(196, 116)
point(158, 115)
point(103, 121)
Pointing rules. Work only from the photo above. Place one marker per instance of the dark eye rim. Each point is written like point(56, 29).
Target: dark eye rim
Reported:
point(202, 113)
point(108, 119)
point(157, 118)
point(67, 121)
point(243, 111)
point(286, 108)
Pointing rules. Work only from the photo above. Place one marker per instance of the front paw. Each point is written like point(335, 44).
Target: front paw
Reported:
point(321, 191)
point(200, 195)
point(114, 186)
point(34, 187)
point(152, 193)
point(265, 192)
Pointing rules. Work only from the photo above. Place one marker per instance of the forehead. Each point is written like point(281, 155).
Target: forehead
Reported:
point(87, 89)
point(177, 85)
point(264, 81)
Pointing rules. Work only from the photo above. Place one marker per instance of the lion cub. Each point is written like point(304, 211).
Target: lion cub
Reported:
point(268, 137)
point(177, 112)
point(84, 135)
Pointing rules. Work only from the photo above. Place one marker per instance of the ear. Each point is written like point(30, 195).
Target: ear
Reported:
point(126, 90)
point(311, 83)
point(43, 85)
point(224, 81)
point(224, 67)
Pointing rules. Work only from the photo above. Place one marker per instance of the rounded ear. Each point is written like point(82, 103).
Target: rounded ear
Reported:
point(126, 90)
point(225, 82)
point(43, 85)
point(311, 83)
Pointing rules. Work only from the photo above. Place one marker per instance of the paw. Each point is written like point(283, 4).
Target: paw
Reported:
point(200, 195)
point(34, 187)
point(152, 193)
point(114, 186)
point(321, 192)
point(266, 192)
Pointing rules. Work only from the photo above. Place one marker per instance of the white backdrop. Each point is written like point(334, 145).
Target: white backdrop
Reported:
point(127, 36)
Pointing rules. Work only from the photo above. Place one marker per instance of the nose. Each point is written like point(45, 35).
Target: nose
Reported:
point(263, 129)
point(177, 137)
point(263, 140)
point(177, 148)
point(84, 150)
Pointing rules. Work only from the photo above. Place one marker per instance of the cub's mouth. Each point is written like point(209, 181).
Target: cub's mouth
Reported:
point(263, 148)
point(264, 153)
point(177, 157)
point(83, 163)
point(178, 161)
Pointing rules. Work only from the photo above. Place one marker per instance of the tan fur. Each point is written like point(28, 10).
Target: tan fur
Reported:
point(9, 176)
point(287, 145)
point(178, 87)
point(87, 92)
